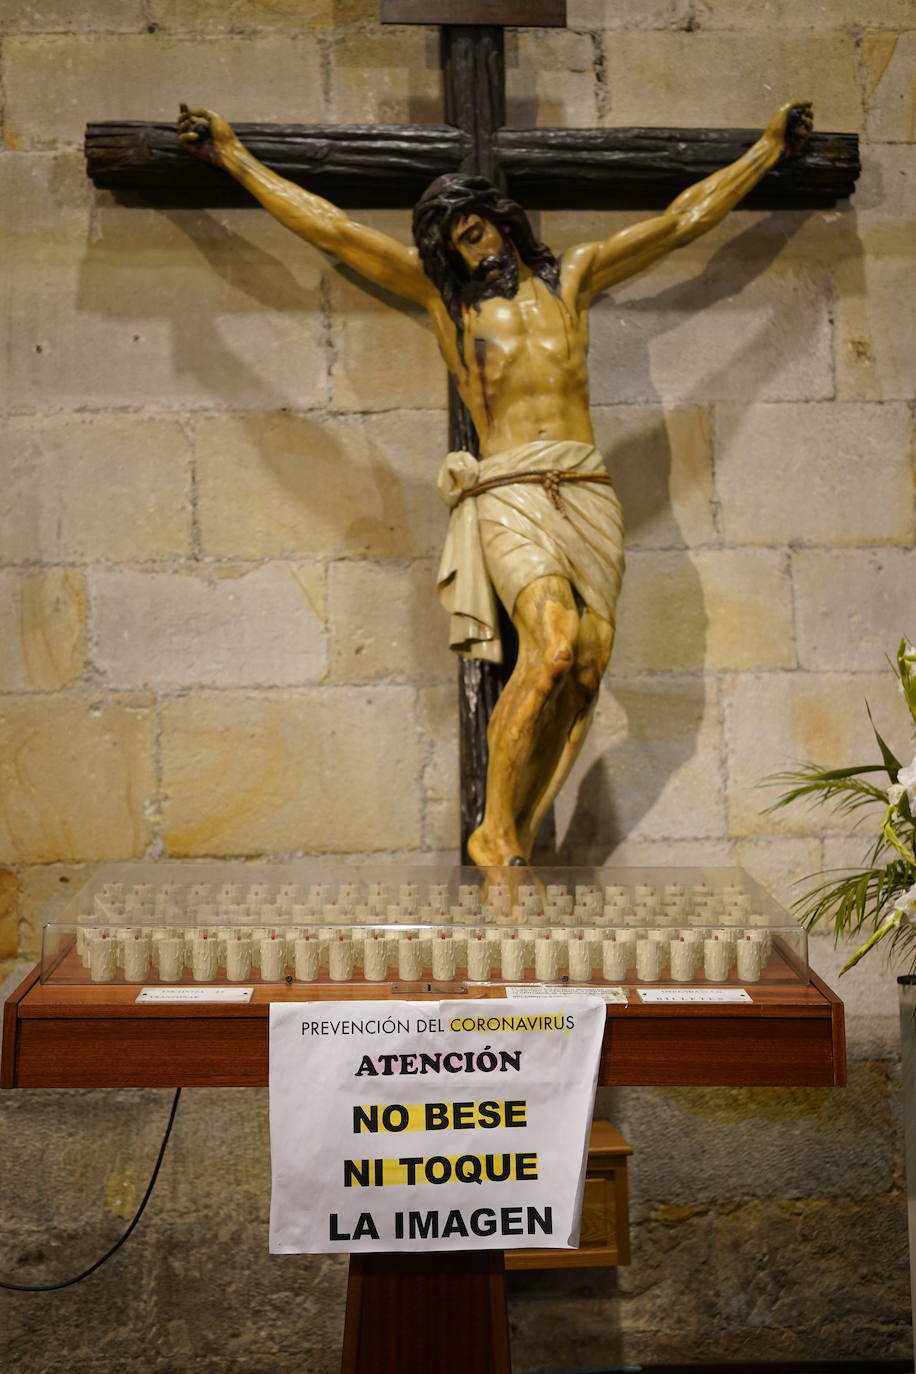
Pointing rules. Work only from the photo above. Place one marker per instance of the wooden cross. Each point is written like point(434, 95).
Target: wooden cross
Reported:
point(373, 166)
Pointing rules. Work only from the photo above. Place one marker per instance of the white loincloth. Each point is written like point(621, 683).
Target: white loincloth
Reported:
point(508, 537)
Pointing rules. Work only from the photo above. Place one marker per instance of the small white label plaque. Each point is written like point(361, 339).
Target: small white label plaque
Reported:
point(520, 990)
point(195, 994)
point(653, 996)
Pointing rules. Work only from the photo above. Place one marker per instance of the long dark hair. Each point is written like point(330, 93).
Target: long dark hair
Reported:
point(450, 198)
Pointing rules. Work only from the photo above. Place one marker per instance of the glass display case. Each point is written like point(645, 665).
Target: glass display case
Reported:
point(314, 923)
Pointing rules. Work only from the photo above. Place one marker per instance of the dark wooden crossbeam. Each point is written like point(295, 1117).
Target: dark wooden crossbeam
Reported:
point(387, 166)
point(366, 166)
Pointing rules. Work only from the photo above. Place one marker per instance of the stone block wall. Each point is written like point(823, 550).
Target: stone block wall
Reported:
point(218, 535)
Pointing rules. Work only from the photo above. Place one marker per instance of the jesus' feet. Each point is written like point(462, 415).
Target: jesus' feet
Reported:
point(490, 849)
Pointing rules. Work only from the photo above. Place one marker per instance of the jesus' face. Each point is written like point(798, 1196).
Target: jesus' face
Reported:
point(488, 255)
point(481, 246)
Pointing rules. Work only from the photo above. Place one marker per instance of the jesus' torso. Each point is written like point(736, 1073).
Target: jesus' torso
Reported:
point(522, 371)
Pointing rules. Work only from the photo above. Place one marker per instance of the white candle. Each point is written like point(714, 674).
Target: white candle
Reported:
point(560, 937)
point(683, 959)
point(512, 960)
point(648, 960)
point(715, 960)
point(729, 939)
point(358, 941)
point(765, 940)
point(238, 958)
point(626, 938)
point(750, 960)
point(83, 936)
point(478, 959)
point(136, 958)
point(580, 960)
point(340, 959)
point(171, 959)
point(410, 958)
point(306, 959)
point(203, 958)
point(272, 950)
point(546, 959)
point(460, 941)
point(102, 958)
point(375, 958)
point(444, 960)
point(614, 960)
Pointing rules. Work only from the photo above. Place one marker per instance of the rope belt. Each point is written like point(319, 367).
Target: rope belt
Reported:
point(550, 480)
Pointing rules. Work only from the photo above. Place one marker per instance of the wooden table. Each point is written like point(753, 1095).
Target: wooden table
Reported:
point(401, 1309)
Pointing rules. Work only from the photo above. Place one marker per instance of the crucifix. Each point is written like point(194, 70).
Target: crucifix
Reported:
point(506, 786)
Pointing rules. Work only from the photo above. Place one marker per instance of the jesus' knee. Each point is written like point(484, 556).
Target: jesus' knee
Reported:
point(557, 656)
point(592, 653)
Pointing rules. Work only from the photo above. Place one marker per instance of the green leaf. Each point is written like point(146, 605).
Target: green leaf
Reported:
point(891, 762)
point(892, 922)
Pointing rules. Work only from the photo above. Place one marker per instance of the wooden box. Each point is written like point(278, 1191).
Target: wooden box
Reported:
point(605, 1232)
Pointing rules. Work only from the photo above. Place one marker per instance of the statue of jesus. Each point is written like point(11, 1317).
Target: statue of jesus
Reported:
point(535, 520)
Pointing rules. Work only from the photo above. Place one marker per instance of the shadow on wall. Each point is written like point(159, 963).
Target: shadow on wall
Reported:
point(649, 727)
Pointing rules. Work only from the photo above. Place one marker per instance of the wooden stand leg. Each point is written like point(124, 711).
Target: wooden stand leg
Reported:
point(412, 1314)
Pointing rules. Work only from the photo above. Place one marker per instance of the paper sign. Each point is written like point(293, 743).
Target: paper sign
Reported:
point(522, 991)
point(195, 994)
point(655, 996)
point(430, 1126)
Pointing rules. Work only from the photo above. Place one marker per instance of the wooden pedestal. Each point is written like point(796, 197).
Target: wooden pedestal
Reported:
point(439, 1313)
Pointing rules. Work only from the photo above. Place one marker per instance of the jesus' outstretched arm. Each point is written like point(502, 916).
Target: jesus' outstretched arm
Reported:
point(377, 256)
point(592, 267)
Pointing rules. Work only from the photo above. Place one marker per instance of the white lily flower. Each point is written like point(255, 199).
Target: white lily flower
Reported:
point(906, 779)
point(906, 904)
point(895, 793)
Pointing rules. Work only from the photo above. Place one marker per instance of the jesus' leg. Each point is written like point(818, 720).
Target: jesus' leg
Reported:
point(547, 621)
point(572, 715)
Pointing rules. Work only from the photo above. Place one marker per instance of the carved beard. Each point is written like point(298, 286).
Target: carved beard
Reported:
point(505, 283)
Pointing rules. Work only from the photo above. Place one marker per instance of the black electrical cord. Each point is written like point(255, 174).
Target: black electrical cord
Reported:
point(78, 1278)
